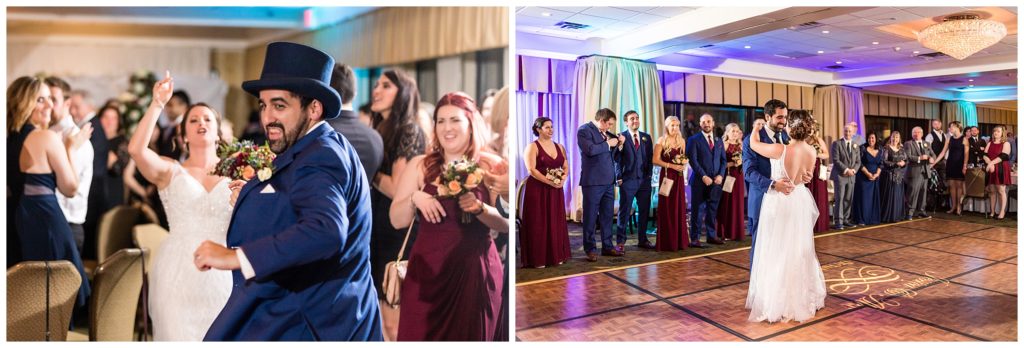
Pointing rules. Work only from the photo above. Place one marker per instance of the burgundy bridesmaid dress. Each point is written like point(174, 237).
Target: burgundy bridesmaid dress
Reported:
point(544, 234)
point(819, 190)
point(672, 226)
point(731, 210)
point(452, 289)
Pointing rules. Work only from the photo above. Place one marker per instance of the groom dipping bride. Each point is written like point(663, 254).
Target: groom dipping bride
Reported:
point(298, 242)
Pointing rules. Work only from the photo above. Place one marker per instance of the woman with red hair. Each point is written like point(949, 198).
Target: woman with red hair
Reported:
point(452, 289)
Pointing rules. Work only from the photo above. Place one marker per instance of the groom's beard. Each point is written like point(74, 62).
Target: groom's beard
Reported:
point(290, 136)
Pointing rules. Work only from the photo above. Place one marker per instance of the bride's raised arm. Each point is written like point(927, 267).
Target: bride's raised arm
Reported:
point(154, 168)
point(767, 150)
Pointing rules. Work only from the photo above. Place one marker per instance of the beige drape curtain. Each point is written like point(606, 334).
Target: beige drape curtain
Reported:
point(397, 35)
point(835, 106)
point(962, 111)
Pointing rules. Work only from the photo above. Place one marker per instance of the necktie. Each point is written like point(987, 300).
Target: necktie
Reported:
point(636, 142)
point(849, 146)
point(711, 144)
point(778, 137)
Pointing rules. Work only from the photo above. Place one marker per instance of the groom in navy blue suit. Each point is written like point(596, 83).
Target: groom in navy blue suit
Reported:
point(635, 171)
point(707, 158)
point(299, 239)
point(599, 149)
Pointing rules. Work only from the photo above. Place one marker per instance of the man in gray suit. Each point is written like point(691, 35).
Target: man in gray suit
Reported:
point(845, 164)
point(921, 158)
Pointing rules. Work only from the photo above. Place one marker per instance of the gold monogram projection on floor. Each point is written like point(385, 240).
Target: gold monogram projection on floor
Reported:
point(925, 280)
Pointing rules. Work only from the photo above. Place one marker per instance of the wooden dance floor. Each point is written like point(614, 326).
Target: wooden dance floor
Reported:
point(925, 280)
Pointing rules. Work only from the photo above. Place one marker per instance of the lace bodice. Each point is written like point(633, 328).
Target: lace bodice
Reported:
point(193, 212)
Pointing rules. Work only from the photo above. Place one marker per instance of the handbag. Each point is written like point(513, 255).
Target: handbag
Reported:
point(666, 186)
point(394, 274)
point(727, 185)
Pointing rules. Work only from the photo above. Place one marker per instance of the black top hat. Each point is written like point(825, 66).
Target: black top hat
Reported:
point(301, 69)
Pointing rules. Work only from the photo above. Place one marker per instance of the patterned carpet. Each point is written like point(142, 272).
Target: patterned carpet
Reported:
point(936, 279)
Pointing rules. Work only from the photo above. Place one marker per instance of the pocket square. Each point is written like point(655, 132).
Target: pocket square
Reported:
point(268, 189)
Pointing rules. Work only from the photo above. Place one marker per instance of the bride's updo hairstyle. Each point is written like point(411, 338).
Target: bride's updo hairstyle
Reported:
point(801, 124)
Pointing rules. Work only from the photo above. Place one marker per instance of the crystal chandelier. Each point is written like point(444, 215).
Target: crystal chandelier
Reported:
point(961, 35)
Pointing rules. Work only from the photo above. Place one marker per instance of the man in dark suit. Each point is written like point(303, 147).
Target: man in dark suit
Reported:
point(367, 141)
point(299, 240)
point(599, 148)
point(921, 159)
point(707, 158)
point(845, 164)
point(168, 144)
point(976, 146)
point(635, 170)
point(82, 112)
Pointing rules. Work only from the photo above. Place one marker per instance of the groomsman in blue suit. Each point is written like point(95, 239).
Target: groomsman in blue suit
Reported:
point(299, 240)
point(635, 170)
point(707, 158)
point(599, 148)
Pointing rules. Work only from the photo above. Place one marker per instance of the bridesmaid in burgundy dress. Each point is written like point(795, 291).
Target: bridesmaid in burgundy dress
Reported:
point(452, 288)
point(672, 226)
point(997, 165)
point(544, 237)
point(819, 187)
point(731, 211)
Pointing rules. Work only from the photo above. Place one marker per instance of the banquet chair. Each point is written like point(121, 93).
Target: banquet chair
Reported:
point(114, 233)
point(28, 307)
point(116, 287)
point(149, 236)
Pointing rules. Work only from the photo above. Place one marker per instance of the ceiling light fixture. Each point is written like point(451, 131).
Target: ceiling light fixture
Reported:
point(874, 42)
point(916, 52)
point(897, 48)
point(839, 62)
point(970, 80)
point(747, 46)
point(545, 14)
point(820, 52)
point(962, 35)
point(824, 31)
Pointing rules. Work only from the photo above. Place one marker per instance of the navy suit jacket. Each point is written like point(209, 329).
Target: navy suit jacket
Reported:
point(757, 169)
point(309, 244)
point(598, 160)
point(636, 164)
point(704, 160)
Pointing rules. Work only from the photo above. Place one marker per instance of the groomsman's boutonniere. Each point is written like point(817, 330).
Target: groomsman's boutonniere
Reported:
point(244, 160)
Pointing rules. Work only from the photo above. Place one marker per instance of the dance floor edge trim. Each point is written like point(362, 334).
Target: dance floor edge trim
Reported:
point(611, 269)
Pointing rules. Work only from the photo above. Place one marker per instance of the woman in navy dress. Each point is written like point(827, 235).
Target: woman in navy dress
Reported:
point(894, 170)
point(452, 288)
point(45, 169)
point(866, 191)
point(956, 167)
point(544, 237)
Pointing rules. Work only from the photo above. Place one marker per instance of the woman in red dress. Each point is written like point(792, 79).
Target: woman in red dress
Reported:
point(544, 237)
point(819, 187)
point(731, 214)
point(997, 165)
point(452, 288)
point(669, 152)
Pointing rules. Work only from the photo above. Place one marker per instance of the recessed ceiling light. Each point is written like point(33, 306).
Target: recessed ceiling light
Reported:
point(970, 85)
point(545, 14)
point(970, 80)
point(897, 48)
point(747, 46)
point(916, 52)
point(820, 52)
point(824, 31)
point(839, 62)
point(874, 42)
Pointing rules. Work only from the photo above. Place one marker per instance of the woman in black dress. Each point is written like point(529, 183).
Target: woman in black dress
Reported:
point(894, 170)
point(395, 104)
point(44, 168)
point(956, 167)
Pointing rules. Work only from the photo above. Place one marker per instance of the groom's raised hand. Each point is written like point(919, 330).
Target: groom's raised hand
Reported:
point(212, 255)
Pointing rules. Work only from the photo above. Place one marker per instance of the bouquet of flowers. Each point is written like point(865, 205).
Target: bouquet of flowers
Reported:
point(680, 159)
point(556, 175)
point(458, 177)
point(135, 100)
point(244, 160)
point(737, 158)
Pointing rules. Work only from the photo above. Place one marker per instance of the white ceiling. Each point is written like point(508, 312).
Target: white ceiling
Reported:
point(604, 22)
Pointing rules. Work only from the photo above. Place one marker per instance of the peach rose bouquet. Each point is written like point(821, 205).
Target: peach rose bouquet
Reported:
point(459, 177)
point(244, 160)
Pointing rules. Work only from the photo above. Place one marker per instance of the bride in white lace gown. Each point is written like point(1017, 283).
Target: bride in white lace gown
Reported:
point(786, 281)
point(183, 301)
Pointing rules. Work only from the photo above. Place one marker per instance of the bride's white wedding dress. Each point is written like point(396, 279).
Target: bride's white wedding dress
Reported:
point(786, 282)
point(183, 301)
